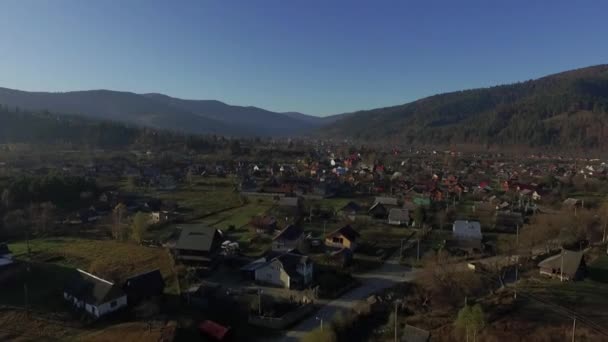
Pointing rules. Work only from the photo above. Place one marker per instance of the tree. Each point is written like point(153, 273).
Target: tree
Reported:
point(140, 226)
point(42, 216)
point(419, 216)
point(6, 198)
point(118, 216)
point(14, 223)
point(470, 320)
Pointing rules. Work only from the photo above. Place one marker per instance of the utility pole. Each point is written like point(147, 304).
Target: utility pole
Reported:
point(27, 306)
point(321, 321)
point(561, 269)
point(573, 329)
point(516, 270)
point(260, 302)
point(396, 313)
point(517, 236)
point(324, 226)
point(418, 251)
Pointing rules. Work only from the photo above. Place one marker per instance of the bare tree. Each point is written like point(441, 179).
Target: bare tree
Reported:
point(118, 224)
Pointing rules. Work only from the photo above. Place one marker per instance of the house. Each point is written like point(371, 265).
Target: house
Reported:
point(567, 265)
point(288, 270)
point(350, 210)
point(97, 296)
point(341, 257)
point(291, 202)
point(466, 230)
point(5, 252)
point(399, 217)
point(508, 221)
point(387, 201)
point(198, 244)
point(144, 286)
point(345, 237)
point(381, 206)
point(378, 211)
point(159, 217)
point(7, 266)
point(289, 238)
point(264, 224)
point(572, 203)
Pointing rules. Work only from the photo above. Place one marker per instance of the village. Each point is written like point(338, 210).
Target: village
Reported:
point(288, 241)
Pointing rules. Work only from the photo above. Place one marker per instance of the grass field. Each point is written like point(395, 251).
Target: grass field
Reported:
point(587, 297)
point(598, 270)
point(115, 260)
point(16, 326)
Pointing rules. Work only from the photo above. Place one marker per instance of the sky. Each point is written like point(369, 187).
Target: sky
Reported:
point(318, 57)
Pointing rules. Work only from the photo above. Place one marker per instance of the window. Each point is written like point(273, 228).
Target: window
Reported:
point(113, 304)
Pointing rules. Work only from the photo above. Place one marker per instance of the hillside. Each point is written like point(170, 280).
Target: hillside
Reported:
point(161, 111)
point(569, 109)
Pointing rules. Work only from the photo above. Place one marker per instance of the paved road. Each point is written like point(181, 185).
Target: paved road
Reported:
point(390, 273)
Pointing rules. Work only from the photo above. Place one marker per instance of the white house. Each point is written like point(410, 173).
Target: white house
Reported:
point(97, 296)
point(288, 270)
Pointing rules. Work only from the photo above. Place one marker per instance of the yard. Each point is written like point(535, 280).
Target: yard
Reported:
point(206, 195)
point(598, 269)
point(112, 259)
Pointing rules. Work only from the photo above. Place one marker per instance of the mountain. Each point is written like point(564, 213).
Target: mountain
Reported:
point(260, 121)
point(569, 109)
point(162, 111)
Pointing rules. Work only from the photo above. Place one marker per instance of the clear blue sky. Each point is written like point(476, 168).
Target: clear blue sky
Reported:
point(315, 56)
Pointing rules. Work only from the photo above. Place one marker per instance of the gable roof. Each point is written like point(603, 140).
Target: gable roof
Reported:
point(289, 201)
point(386, 201)
point(571, 262)
point(197, 238)
point(351, 206)
point(290, 261)
point(148, 283)
point(290, 233)
point(92, 289)
point(346, 231)
point(467, 229)
point(396, 214)
point(4, 249)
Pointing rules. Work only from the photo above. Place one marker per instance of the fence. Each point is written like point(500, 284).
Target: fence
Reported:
point(279, 323)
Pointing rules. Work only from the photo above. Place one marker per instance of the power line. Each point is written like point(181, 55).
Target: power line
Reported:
point(569, 313)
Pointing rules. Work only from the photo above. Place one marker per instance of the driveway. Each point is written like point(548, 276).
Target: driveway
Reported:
point(389, 274)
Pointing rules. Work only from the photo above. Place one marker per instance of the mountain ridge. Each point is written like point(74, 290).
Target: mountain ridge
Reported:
point(163, 112)
point(568, 108)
